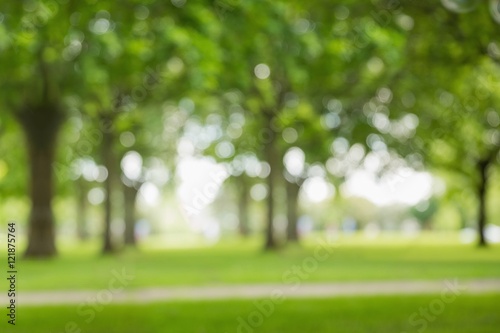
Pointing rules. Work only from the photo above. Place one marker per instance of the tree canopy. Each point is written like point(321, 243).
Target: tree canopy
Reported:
point(298, 94)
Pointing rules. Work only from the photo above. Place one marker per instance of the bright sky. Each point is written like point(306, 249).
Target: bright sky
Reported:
point(404, 186)
point(201, 179)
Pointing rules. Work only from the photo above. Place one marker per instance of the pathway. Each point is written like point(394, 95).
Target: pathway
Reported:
point(304, 290)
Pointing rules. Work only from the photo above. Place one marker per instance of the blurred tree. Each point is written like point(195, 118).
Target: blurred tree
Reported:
point(111, 57)
point(424, 211)
point(458, 115)
point(36, 80)
point(130, 74)
point(268, 68)
point(346, 81)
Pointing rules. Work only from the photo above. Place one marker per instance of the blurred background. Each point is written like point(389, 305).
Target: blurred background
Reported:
point(166, 125)
point(190, 122)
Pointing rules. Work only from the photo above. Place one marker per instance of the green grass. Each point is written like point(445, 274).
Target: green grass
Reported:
point(388, 314)
point(243, 262)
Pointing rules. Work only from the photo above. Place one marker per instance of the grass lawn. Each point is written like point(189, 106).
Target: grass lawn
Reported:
point(388, 314)
point(81, 267)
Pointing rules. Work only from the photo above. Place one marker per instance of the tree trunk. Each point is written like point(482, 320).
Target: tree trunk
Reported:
point(292, 196)
point(41, 123)
point(463, 215)
point(108, 159)
point(41, 120)
point(271, 158)
point(483, 166)
point(129, 195)
point(41, 231)
point(243, 202)
point(81, 210)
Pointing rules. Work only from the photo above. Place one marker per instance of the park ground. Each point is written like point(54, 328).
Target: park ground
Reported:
point(427, 259)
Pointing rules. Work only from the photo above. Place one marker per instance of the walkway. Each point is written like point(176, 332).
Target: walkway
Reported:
point(309, 290)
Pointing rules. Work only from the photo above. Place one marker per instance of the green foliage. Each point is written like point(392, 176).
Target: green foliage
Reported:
point(413, 79)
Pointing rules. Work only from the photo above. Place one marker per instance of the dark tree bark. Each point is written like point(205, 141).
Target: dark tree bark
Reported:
point(483, 167)
point(41, 117)
point(109, 163)
point(130, 196)
point(243, 203)
point(41, 232)
point(41, 124)
point(271, 158)
point(292, 196)
point(81, 210)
